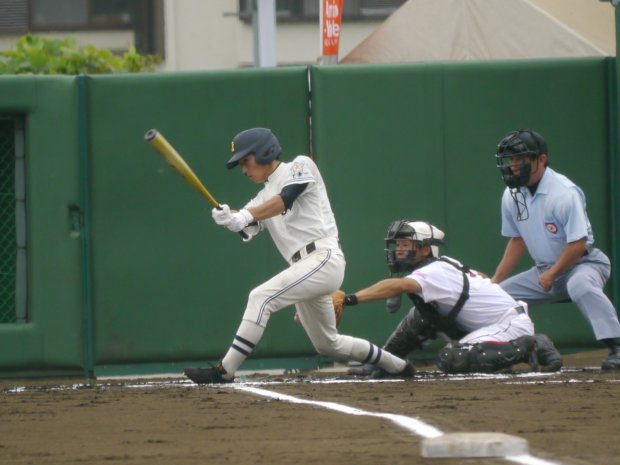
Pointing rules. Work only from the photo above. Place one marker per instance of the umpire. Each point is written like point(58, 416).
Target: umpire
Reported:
point(544, 213)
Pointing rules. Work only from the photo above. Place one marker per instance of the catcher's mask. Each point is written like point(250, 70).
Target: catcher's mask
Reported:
point(260, 141)
point(419, 232)
point(525, 144)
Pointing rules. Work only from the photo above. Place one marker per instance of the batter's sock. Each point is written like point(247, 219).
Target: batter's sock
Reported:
point(248, 335)
point(366, 352)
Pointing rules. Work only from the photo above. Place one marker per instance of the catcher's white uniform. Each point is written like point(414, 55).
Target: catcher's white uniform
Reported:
point(488, 315)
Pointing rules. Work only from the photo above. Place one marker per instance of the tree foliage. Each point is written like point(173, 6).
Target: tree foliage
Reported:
point(39, 55)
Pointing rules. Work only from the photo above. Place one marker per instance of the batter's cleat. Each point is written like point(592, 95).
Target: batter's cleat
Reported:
point(407, 372)
point(612, 361)
point(362, 370)
point(212, 375)
point(548, 356)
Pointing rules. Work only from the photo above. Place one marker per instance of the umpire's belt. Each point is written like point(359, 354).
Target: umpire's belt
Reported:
point(324, 243)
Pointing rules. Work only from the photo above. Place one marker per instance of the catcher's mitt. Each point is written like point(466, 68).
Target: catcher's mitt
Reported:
point(338, 301)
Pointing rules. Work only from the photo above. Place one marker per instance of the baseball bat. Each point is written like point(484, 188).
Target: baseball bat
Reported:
point(174, 159)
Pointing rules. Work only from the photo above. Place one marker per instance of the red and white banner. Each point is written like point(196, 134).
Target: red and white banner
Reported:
point(331, 20)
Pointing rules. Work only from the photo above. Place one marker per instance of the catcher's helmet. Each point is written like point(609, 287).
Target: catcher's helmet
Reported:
point(523, 142)
point(418, 231)
point(259, 141)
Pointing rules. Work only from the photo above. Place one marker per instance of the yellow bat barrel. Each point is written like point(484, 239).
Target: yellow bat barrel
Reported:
point(174, 159)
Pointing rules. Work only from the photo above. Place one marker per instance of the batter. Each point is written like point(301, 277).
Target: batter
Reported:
point(294, 208)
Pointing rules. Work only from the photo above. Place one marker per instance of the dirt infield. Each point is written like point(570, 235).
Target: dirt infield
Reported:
point(570, 418)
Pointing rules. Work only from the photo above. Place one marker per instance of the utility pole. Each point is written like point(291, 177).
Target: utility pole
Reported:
point(264, 27)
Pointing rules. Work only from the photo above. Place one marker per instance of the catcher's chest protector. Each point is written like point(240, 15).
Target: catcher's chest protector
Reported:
point(446, 323)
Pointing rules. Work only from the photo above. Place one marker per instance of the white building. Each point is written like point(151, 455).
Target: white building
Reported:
point(190, 34)
point(220, 34)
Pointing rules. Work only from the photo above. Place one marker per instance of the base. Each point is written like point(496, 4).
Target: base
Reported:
point(474, 445)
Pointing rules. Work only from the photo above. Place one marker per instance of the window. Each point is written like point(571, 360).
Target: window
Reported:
point(143, 17)
point(84, 14)
point(308, 10)
point(13, 16)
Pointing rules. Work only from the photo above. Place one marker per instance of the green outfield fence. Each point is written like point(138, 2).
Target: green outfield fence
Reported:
point(111, 263)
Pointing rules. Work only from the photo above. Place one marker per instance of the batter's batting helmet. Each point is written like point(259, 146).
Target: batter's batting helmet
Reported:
point(523, 142)
point(259, 141)
point(419, 231)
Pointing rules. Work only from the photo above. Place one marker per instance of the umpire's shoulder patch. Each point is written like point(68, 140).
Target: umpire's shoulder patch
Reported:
point(551, 227)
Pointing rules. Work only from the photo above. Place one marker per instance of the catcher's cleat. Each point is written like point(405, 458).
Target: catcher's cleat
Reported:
point(548, 356)
point(212, 375)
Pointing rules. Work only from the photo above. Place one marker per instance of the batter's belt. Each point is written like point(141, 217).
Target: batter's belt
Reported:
point(325, 243)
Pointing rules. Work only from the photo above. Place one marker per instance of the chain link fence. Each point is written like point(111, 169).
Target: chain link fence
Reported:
point(11, 208)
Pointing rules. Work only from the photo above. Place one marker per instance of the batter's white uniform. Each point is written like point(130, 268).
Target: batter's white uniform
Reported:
point(307, 237)
point(489, 315)
point(310, 281)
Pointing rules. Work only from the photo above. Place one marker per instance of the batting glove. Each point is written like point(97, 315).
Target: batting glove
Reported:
point(221, 215)
point(239, 220)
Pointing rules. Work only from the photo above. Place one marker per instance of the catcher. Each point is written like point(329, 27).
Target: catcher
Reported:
point(488, 330)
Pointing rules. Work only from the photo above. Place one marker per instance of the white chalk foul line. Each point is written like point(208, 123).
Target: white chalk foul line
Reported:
point(527, 459)
point(411, 424)
point(416, 426)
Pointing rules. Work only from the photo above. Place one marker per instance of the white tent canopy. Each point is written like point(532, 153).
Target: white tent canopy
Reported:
point(432, 30)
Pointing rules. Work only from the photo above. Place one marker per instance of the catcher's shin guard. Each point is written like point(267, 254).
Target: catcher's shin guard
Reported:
point(406, 337)
point(548, 356)
point(485, 357)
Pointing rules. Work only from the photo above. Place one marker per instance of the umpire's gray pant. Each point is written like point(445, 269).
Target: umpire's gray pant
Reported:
point(583, 284)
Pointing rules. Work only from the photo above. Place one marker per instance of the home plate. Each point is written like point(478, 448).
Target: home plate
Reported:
point(474, 445)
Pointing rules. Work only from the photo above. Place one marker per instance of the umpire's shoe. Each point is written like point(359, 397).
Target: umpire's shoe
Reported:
point(548, 356)
point(212, 375)
point(612, 361)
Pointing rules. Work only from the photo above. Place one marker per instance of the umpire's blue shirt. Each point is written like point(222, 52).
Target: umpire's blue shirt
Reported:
point(556, 215)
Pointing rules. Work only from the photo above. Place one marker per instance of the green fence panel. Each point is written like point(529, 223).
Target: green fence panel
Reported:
point(380, 148)
point(417, 141)
point(567, 101)
point(125, 265)
point(168, 284)
point(51, 339)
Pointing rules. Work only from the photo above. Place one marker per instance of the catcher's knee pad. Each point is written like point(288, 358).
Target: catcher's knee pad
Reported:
point(406, 336)
point(484, 357)
point(454, 358)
